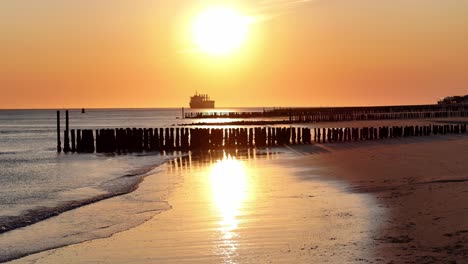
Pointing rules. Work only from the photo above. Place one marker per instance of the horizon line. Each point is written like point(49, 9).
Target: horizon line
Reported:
point(220, 108)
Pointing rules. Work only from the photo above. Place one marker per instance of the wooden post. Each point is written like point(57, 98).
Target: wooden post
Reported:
point(73, 147)
point(140, 139)
point(161, 138)
point(177, 138)
point(113, 139)
point(156, 139)
point(100, 141)
point(166, 138)
point(91, 145)
point(145, 139)
point(59, 144)
point(293, 135)
point(78, 141)
point(245, 139)
point(171, 138)
point(66, 134)
point(150, 139)
point(85, 140)
point(193, 143)
point(128, 139)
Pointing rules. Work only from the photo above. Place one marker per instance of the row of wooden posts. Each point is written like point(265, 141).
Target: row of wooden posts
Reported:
point(319, 114)
point(196, 115)
point(300, 117)
point(330, 116)
point(329, 135)
point(123, 140)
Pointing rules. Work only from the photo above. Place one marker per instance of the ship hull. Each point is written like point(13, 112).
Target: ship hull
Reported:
point(203, 105)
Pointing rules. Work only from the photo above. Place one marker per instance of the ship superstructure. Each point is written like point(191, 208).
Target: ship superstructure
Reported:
point(199, 101)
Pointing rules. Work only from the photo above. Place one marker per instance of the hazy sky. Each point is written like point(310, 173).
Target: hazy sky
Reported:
point(126, 53)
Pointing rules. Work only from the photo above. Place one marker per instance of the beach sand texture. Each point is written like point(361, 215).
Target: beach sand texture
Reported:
point(393, 201)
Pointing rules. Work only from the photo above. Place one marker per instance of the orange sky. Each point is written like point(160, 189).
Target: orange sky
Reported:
point(125, 53)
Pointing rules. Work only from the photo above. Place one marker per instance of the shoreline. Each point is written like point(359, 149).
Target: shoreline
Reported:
point(44, 216)
point(33, 216)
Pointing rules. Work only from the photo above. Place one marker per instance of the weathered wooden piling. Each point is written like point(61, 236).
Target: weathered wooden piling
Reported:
point(151, 145)
point(299, 135)
point(73, 146)
point(161, 138)
point(171, 138)
point(145, 139)
point(59, 143)
point(270, 138)
point(293, 135)
point(250, 137)
point(66, 136)
point(156, 139)
point(166, 139)
point(177, 139)
point(78, 140)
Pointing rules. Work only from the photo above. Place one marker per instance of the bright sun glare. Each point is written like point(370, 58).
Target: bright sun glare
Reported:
point(229, 182)
point(220, 30)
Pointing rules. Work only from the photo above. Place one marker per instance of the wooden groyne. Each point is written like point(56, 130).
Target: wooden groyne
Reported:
point(330, 114)
point(197, 115)
point(128, 140)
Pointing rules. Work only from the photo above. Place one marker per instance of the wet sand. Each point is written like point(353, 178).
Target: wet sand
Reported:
point(392, 201)
point(423, 185)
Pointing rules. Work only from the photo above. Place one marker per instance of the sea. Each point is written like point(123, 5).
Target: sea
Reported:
point(50, 200)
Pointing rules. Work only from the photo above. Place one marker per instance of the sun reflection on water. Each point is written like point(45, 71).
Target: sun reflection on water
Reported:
point(230, 186)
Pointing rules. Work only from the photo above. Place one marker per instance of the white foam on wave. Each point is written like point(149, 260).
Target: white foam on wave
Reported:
point(98, 219)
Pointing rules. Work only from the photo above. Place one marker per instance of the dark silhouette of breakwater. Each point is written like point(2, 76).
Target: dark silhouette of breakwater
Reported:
point(128, 140)
point(330, 114)
point(242, 123)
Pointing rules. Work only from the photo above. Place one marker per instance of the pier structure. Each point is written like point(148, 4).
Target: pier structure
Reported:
point(330, 114)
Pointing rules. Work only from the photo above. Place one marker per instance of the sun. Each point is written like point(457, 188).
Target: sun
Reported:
point(220, 30)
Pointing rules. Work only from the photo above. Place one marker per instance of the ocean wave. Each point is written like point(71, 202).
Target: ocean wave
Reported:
point(27, 131)
point(8, 152)
point(123, 185)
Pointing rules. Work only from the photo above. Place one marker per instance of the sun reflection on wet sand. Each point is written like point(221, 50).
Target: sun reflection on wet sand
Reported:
point(230, 189)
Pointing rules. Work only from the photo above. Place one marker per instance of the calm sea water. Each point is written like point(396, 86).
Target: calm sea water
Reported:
point(36, 182)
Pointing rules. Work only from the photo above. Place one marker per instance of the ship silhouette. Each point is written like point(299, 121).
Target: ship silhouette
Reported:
point(199, 101)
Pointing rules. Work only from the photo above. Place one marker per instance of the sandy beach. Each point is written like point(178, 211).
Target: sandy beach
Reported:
point(392, 201)
point(422, 184)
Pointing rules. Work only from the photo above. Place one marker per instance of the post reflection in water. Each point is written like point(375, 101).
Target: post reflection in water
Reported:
point(230, 189)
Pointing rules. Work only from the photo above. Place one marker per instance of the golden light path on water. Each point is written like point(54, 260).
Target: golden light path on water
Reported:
point(230, 189)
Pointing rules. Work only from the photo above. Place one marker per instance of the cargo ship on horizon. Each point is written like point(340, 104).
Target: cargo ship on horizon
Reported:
point(201, 101)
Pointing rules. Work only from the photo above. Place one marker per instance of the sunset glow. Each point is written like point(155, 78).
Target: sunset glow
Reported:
point(151, 54)
point(220, 30)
